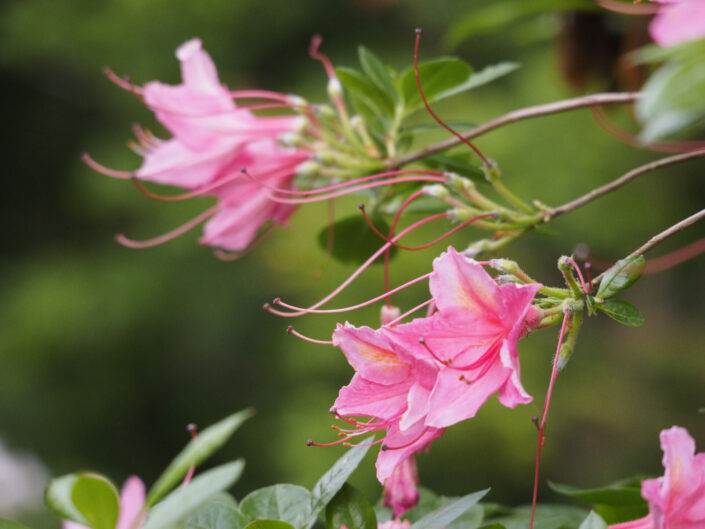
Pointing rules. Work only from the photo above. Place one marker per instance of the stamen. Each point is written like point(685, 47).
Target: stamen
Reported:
point(406, 445)
point(580, 275)
point(484, 159)
point(665, 262)
point(259, 94)
point(422, 341)
point(146, 138)
point(90, 162)
point(278, 301)
point(130, 243)
point(290, 330)
point(588, 270)
point(122, 82)
point(194, 433)
point(314, 52)
point(408, 313)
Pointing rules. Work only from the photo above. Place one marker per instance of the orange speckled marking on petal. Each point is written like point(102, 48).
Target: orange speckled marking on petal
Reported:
point(380, 357)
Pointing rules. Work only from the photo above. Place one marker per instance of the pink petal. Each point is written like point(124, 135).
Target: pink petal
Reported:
point(417, 406)
point(681, 478)
point(513, 392)
point(371, 354)
point(516, 302)
point(197, 67)
point(415, 438)
point(642, 523)
point(369, 399)
point(131, 504)
point(678, 21)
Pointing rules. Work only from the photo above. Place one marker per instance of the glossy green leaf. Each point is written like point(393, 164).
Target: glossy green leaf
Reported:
point(593, 521)
point(219, 512)
point(332, 481)
point(351, 509)
point(449, 512)
point(484, 76)
point(186, 499)
point(268, 524)
point(361, 87)
point(620, 276)
point(378, 73)
point(205, 444)
point(289, 503)
point(625, 492)
point(353, 240)
point(9, 524)
point(547, 517)
point(58, 498)
point(622, 311)
point(437, 77)
point(97, 499)
point(624, 513)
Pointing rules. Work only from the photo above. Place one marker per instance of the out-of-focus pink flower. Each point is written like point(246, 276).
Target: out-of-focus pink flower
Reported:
point(676, 500)
point(678, 21)
point(400, 491)
point(132, 511)
point(472, 339)
point(394, 524)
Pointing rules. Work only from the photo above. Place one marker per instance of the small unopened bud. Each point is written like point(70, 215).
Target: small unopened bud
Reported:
point(325, 157)
point(564, 355)
point(504, 265)
point(296, 101)
point(476, 248)
point(460, 214)
point(356, 121)
point(389, 313)
point(503, 279)
point(308, 168)
point(460, 183)
point(492, 172)
point(436, 190)
point(289, 139)
point(335, 89)
point(324, 111)
point(300, 124)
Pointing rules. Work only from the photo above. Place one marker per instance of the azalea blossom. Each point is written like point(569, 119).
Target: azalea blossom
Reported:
point(676, 500)
point(132, 503)
point(678, 21)
point(400, 492)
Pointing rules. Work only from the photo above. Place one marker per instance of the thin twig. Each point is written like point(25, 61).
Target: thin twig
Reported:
point(517, 115)
point(619, 182)
point(656, 239)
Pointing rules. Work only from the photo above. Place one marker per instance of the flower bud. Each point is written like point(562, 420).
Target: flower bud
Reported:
point(308, 168)
point(389, 313)
point(335, 89)
point(400, 488)
point(436, 190)
point(504, 265)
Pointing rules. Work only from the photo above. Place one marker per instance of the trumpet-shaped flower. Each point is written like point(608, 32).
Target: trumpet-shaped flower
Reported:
point(678, 21)
point(132, 503)
point(472, 339)
point(676, 500)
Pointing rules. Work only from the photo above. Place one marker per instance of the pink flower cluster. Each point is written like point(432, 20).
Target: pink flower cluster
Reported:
point(678, 21)
point(220, 149)
point(418, 378)
point(676, 500)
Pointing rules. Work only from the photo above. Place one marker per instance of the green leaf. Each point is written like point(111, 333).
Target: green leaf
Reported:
point(622, 311)
point(460, 163)
point(206, 443)
point(268, 524)
point(97, 499)
point(58, 498)
point(378, 74)
point(547, 517)
point(9, 524)
point(353, 240)
point(593, 521)
point(449, 512)
point(624, 513)
point(361, 87)
point(625, 492)
point(484, 76)
point(331, 482)
point(437, 77)
point(620, 276)
point(184, 500)
point(351, 509)
point(219, 512)
point(289, 503)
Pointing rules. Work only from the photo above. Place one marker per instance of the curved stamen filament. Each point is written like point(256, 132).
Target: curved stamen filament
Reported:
point(409, 312)
point(580, 274)
point(406, 445)
point(315, 53)
point(381, 183)
point(259, 94)
point(146, 138)
point(90, 162)
point(428, 106)
point(429, 244)
point(290, 330)
point(279, 302)
point(122, 82)
point(170, 235)
point(422, 341)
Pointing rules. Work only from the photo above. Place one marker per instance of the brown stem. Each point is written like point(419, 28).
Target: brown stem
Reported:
point(517, 115)
point(619, 182)
point(656, 239)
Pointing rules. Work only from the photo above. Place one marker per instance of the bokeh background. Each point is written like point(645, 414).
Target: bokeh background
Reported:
point(107, 353)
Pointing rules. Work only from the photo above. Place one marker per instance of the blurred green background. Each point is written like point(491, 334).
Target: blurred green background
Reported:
point(107, 353)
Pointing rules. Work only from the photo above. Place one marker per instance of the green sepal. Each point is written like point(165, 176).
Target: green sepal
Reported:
point(58, 498)
point(97, 499)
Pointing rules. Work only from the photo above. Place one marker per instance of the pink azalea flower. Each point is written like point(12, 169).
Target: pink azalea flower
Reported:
point(394, 524)
point(678, 21)
point(400, 491)
point(472, 339)
point(676, 500)
point(132, 511)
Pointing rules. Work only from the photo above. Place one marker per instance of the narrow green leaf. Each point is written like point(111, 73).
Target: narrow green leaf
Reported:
point(353, 240)
point(547, 517)
point(484, 76)
point(378, 74)
point(622, 311)
point(184, 500)
point(97, 499)
point(617, 514)
point(620, 276)
point(359, 86)
point(268, 524)
point(195, 452)
point(351, 509)
point(289, 503)
point(58, 498)
point(331, 482)
point(9, 524)
point(449, 512)
point(219, 512)
point(437, 77)
point(593, 521)
point(625, 492)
